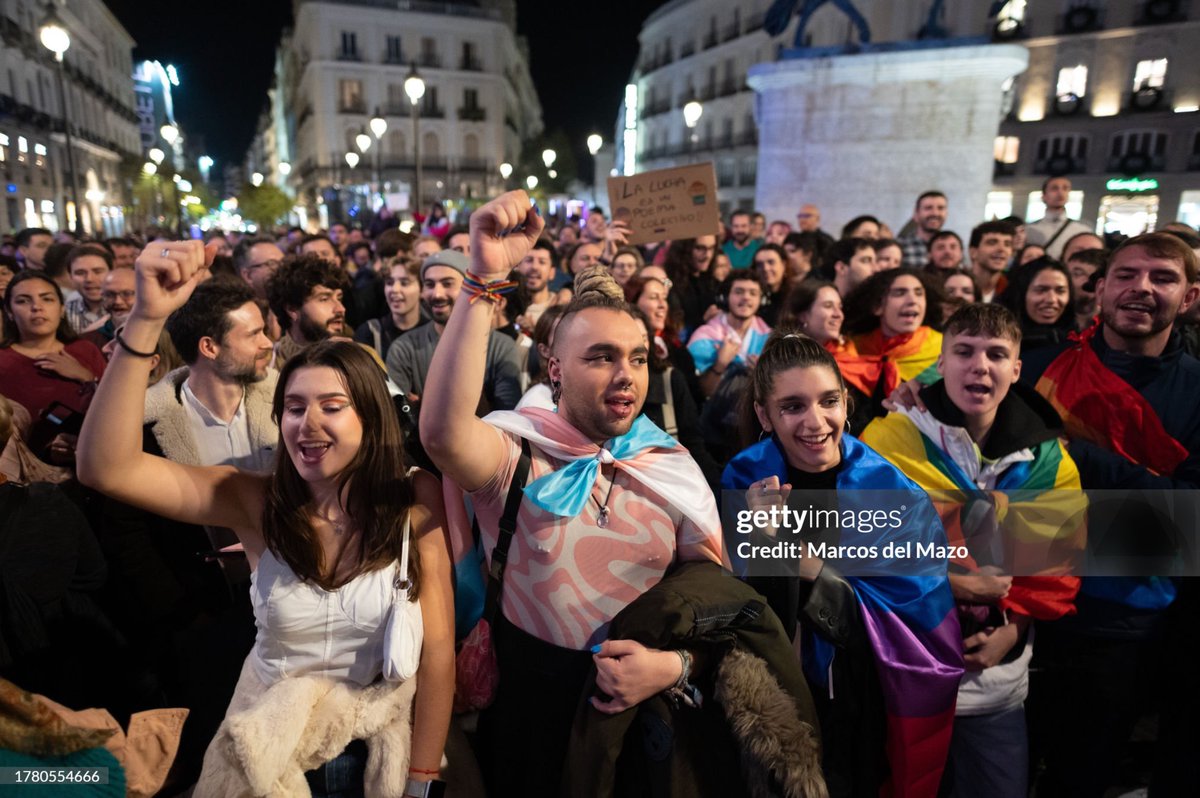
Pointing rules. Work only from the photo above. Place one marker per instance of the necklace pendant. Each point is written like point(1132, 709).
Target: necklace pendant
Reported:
point(602, 519)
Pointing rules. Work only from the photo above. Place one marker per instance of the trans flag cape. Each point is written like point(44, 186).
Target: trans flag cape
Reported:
point(1098, 406)
point(871, 358)
point(911, 620)
point(708, 337)
point(1037, 507)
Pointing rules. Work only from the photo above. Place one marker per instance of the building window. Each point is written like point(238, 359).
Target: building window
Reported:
point(396, 143)
point(471, 147)
point(350, 95)
point(397, 100)
point(349, 45)
point(395, 55)
point(39, 154)
point(470, 58)
point(1072, 80)
point(1150, 74)
point(430, 146)
point(429, 56)
point(22, 149)
point(1006, 149)
point(470, 99)
point(3, 148)
point(1060, 155)
point(1137, 151)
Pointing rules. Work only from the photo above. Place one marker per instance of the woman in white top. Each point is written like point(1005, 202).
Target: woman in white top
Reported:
point(324, 531)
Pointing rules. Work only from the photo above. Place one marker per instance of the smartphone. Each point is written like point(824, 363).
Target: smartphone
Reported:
point(65, 419)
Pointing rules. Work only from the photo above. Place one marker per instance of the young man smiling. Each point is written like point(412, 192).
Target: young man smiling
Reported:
point(990, 250)
point(581, 551)
point(985, 442)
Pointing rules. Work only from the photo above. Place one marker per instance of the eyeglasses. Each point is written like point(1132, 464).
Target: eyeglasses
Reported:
point(128, 296)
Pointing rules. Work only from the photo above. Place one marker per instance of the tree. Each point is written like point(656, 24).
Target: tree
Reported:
point(264, 205)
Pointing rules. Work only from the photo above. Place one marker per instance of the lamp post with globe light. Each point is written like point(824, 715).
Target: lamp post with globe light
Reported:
point(156, 157)
point(691, 115)
point(379, 126)
point(54, 37)
point(414, 87)
point(594, 143)
point(506, 170)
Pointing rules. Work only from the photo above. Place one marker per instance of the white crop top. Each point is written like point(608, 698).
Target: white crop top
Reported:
point(306, 630)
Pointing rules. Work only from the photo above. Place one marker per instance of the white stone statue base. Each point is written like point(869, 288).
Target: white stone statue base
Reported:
point(867, 133)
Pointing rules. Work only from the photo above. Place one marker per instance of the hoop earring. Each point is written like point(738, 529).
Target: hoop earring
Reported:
point(764, 433)
point(848, 429)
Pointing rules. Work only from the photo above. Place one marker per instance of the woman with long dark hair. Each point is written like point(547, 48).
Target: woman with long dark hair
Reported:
point(652, 297)
point(881, 643)
point(689, 265)
point(1041, 295)
point(351, 563)
point(44, 366)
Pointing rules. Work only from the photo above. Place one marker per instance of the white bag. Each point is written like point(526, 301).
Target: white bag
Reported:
point(405, 629)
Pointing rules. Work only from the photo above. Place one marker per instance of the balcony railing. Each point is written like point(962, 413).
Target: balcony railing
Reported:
point(732, 31)
point(470, 64)
point(474, 165)
point(348, 55)
point(358, 107)
point(432, 112)
point(431, 60)
point(687, 50)
point(710, 41)
point(472, 114)
point(729, 86)
point(393, 57)
point(748, 138)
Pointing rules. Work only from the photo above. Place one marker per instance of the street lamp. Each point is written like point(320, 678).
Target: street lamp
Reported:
point(285, 168)
point(691, 115)
point(156, 155)
point(594, 143)
point(256, 179)
point(205, 163)
point(414, 87)
point(532, 182)
point(169, 133)
point(506, 170)
point(150, 167)
point(548, 157)
point(352, 159)
point(55, 38)
point(378, 127)
point(363, 142)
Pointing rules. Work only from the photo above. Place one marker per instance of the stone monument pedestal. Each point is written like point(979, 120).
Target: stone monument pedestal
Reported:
point(868, 132)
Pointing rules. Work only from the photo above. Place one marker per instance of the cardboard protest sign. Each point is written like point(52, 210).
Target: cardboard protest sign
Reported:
point(680, 202)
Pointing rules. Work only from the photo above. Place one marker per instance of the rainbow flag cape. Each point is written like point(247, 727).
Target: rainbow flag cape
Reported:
point(1038, 507)
point(911, 620)
point(870, 358)
point(1098, 406)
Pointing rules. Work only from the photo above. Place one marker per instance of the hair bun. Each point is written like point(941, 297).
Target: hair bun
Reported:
point(597, 280)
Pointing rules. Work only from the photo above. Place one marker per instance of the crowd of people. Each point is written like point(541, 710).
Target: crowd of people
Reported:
point(402, 512)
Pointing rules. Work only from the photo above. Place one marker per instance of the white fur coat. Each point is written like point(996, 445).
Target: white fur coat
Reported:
point(271, 735)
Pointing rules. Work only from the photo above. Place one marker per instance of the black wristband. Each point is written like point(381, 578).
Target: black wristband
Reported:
point(121, 343)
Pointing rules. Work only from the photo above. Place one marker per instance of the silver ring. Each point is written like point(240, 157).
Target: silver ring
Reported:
point(166, 252)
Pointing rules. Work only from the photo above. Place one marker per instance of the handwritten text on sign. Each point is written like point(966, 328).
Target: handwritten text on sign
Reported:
point(667, 203)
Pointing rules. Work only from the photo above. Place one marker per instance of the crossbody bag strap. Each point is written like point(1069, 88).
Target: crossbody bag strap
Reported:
point(1057, 233)
point(508, 528)
point(670, 426)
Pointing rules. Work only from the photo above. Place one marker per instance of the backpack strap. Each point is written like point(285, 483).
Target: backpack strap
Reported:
point(508, 528)
point(670, 426)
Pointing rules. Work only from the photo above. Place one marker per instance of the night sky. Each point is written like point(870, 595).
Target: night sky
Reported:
point(581, 57)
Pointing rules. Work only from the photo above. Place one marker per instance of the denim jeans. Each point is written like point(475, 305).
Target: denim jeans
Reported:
point(342, 776)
